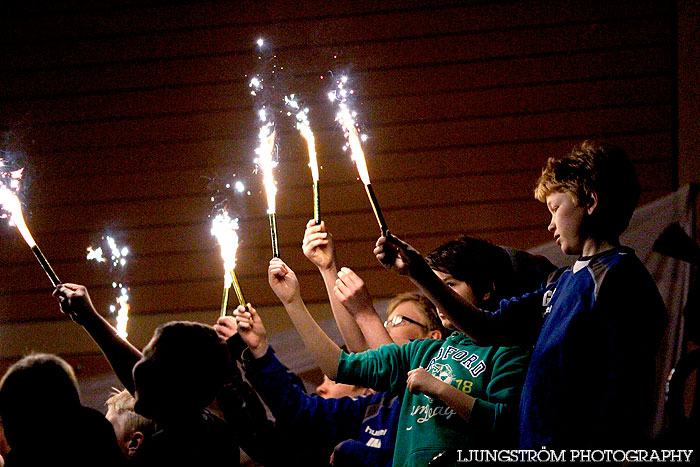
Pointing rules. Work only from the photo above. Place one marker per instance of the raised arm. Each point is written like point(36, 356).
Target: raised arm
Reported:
point(351, 291)
point(393, 253)
point(240, 404)
point(324, 351)
point(122, 356)
point(319, 249)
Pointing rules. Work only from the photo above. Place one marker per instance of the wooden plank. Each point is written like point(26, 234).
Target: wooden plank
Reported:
point(33, 25)
point(414, 52)
point(289, 38)
point(223, 161)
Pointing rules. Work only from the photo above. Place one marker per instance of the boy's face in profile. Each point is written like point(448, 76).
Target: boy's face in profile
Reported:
point(567, 222)
point(143, 374)
point(462, 289)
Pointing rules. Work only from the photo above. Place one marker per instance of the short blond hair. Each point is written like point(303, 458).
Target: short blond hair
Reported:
point(593, 167)
point(122, 403)
point(426, 307)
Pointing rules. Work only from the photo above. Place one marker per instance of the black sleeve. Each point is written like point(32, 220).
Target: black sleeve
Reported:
point(247, 417)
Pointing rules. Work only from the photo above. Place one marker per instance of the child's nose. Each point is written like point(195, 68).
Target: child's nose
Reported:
point(552, 226)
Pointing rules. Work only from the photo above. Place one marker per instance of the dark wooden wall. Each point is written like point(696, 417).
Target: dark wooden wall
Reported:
point(122, 107)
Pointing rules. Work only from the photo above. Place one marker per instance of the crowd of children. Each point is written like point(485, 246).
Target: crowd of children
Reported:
point(496, 349)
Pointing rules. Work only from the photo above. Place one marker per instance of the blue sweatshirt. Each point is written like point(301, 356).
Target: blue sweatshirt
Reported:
point(366, 426)
point(596, 328)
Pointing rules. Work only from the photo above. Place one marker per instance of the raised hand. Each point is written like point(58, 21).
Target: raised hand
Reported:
point(318, 245)
point(351, 291)
point(394, 253)
point(251, 329)
point(75, 302)
point(283, 281)
point(225, 327)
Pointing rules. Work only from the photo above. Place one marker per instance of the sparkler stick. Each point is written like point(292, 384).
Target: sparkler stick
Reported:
point(10, 203)
point(346, 118)
point(305, 129)
point(317, 203)
point(237, 288)
point(224, 229)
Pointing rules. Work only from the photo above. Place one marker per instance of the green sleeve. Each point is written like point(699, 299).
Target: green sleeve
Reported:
point(383, 369)
point(498, 412)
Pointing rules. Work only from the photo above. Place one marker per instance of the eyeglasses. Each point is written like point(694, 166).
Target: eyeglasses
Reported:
point(398, 319)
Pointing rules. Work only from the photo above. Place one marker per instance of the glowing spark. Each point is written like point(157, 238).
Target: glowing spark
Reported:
point(10, 204)
point(122, 313)
point(260, 42)
point(266, 163)
point(224, 229)
point(240, 187)
point(346, 118)
point(117, 259)
point(95, 255)
point(304, 127)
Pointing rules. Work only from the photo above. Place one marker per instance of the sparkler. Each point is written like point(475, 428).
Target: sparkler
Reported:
point(224, 229)
point(263, 87)
point(346, 118)
point(302, 117)
point(118, 261)
point(266, 162)
point(9, 201)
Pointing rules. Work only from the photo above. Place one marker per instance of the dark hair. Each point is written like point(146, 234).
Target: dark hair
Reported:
point(36, 394)
point(593, 167)
point(482, 265)
point(189, 361)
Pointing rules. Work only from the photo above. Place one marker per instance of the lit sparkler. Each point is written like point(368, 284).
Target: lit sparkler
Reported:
point(266, 162)
point(224, 229)
point(302, 117)
point(12, 209)
point(346, 118)
point(117, 260)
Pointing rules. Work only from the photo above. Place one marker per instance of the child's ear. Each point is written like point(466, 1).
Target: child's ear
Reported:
point(135, 442)
point(487, 295)
point(592, 202)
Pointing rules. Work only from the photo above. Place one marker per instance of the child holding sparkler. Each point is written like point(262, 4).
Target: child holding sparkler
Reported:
point(178, 374)
point(578, 394)
point(362, 429)
point(435, 415)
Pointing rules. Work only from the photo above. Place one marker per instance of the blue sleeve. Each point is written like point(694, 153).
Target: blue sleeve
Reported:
point(337, 419)
point(517, 321)
point(354, 453)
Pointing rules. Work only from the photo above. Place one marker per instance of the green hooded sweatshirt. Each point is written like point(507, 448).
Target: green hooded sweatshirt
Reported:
point(427, 426)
